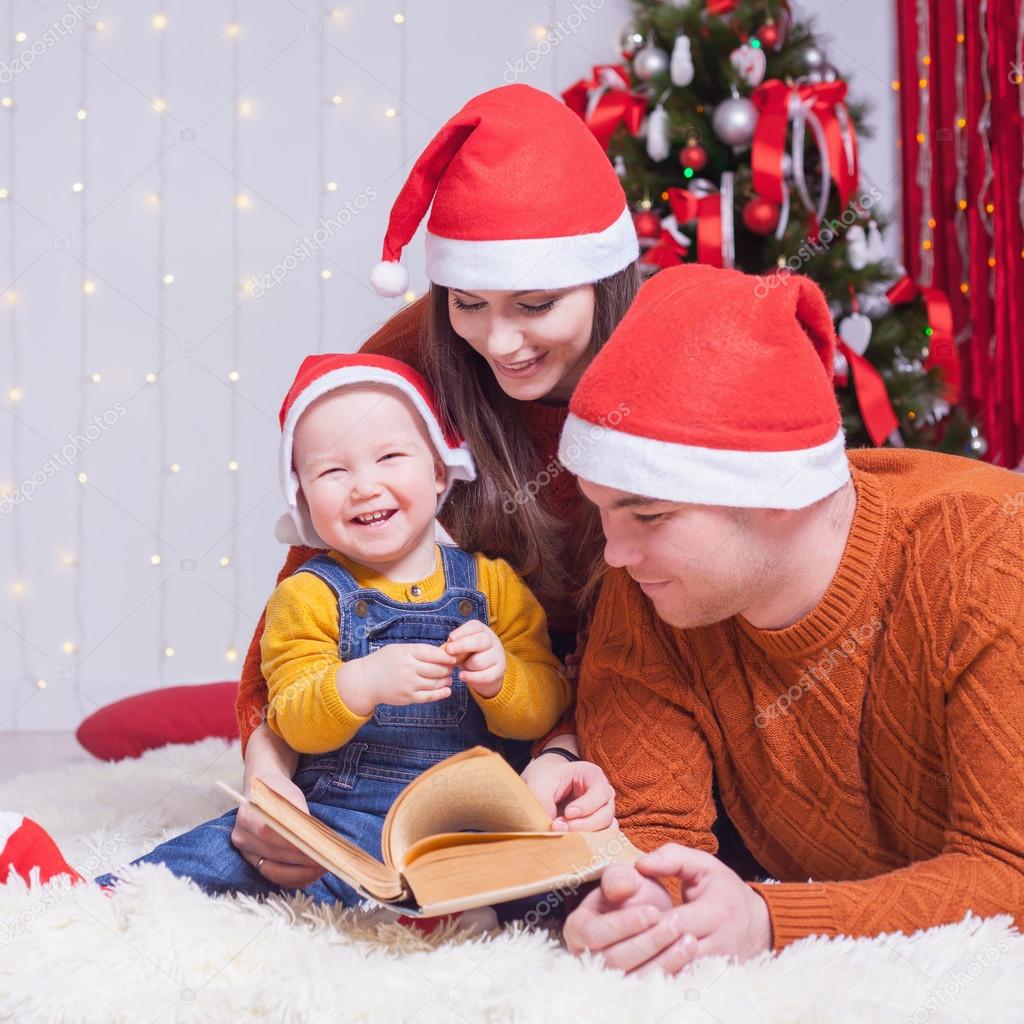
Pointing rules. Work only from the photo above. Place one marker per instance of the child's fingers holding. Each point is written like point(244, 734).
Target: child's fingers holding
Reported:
point(427, 696)
point(469, 644)
point(431, 654)
point(466, 629)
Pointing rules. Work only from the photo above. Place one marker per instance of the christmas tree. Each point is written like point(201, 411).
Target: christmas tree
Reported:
point(736, 145)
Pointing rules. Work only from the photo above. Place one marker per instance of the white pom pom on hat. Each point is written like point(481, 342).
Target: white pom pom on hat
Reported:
point(389, 279)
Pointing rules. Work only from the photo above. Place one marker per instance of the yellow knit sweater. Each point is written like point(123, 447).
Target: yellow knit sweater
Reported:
point(300, 655)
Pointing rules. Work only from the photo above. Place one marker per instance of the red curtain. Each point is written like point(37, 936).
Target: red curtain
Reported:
point(961, 92)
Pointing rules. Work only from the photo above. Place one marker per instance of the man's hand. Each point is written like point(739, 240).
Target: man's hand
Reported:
point(396, 674)
point(576, 795)
point(478, 650)
point(720, 915)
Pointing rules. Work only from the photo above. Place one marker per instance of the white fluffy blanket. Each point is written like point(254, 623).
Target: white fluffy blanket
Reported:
point(162, 951)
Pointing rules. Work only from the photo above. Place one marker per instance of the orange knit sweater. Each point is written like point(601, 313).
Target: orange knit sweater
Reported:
point(401, 338)
point(876, 746)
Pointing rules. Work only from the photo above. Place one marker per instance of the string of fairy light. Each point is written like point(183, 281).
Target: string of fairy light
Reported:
point(8, 195)
point(241, 203)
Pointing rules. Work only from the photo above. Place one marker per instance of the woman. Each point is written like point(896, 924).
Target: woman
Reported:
point(531, 252)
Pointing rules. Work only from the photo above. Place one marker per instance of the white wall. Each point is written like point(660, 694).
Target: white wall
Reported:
point(199, 154)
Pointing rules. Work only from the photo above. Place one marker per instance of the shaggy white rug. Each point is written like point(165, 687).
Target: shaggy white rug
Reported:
point(162, 951)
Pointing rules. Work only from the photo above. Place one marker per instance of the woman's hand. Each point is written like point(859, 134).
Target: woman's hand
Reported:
point(270, 759)
point(576, 795)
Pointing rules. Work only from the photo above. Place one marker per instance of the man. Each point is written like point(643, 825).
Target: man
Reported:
point(836, 639)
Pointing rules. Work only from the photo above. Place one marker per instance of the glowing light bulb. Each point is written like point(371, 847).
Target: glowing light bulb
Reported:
point(159, 105)
point(233, 30)
point(17, 588)
point(7, 101)
point(153, 198)
point(168, 279)
point(82, 478)
point(40, 684)
point(242, 201)
point(69, 647)
point(336, 100)
point(15, 394)
point(233, 375)
point(150, 378)
point(233, 466)
point(325, 274)
point(154, 559)
point(168, 652)
point(331, 186)
point(231, 654)
point(175, 467)
point(410, 296)
point(81, 114)
point(78, 186)
point(391, 112)
point(399, 19)
point(4, 193)
point(159, 22)
point(95, 378)
point(20, 37)
point(245, 108)
point(224, 561)
point(89, 287)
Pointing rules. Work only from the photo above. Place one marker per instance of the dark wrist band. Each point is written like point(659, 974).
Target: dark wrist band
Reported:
point(562, 752)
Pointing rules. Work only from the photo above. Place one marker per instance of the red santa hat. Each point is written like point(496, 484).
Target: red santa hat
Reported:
point(321, 374)
point(714, 389)
point(523, 198)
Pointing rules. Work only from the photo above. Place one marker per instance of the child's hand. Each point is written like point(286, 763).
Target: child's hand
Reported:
point(396, 674)
point(478, 650)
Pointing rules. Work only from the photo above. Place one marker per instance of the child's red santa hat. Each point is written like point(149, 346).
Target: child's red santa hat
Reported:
point(715, 389)
point(524, 198)
point(321, 374)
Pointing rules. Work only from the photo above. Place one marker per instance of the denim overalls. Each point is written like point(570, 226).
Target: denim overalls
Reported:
point(351, 788)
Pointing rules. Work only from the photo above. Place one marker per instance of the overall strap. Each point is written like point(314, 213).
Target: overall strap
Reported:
point(336, 576)
point(459, 567)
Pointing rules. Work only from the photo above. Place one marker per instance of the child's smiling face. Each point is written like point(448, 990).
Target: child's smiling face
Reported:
point(369, 474)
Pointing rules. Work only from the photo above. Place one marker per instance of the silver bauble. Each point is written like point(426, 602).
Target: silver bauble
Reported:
point(629, 41)
point(813, 58)
point(650, 62)
point(734, 121)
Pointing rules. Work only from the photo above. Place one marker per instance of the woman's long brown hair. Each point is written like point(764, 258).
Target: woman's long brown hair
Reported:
point(498, 513)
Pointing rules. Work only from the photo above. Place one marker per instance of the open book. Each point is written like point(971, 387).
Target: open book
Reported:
point(466, 833)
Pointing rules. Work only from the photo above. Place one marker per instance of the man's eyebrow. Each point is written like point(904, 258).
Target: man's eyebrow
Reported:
point(635, 501)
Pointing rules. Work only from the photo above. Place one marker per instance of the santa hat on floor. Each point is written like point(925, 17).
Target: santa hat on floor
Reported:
point(321, 374)
point(524, 197)
point(27, 849)
point(715, 389)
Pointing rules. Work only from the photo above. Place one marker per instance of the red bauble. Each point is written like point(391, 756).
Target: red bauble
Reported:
point(760, 216)
point(693, 155)
point(769, 34)
point(648, 225)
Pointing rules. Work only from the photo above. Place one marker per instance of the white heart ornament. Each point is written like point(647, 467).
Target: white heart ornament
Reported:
point(750, 63)
point(855, 330)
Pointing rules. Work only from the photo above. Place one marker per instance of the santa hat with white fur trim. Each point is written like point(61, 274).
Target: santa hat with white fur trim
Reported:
point(523, 198)
point(320, 374)
point(714, 389)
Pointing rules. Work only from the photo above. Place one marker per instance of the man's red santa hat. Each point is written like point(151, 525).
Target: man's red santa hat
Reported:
point(523, 198)
point(713, 390)
point(320, 374)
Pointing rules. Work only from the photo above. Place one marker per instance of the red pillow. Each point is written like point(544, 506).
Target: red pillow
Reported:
point(173, 714)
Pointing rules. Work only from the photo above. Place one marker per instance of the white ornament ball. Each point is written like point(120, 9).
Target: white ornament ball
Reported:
point(650, 62)
point(813, 58)
point(734, 121)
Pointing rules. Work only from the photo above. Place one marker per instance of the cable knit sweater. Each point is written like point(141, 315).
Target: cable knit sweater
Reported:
point(401, 338)
point(876, 746)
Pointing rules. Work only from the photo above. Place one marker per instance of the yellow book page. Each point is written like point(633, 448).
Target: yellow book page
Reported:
point(476, 790)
